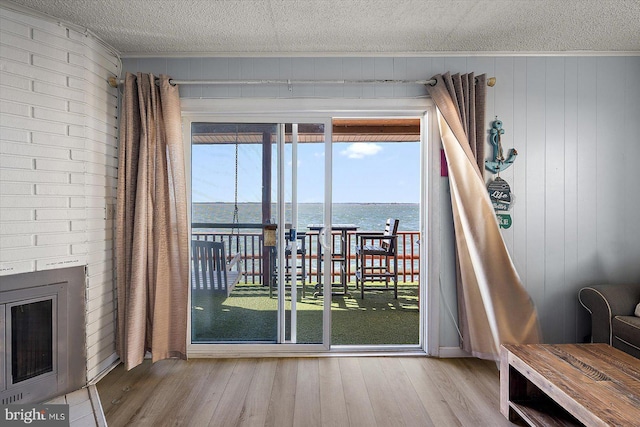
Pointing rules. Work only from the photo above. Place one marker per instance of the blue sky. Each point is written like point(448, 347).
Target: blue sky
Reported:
point(362, 173)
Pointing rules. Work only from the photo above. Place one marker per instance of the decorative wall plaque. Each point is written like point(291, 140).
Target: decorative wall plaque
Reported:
point(500, 194)
point(504, 220)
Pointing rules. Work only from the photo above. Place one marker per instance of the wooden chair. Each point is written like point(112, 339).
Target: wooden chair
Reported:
point(301, 249)
point(212, 271)
point(377, 258)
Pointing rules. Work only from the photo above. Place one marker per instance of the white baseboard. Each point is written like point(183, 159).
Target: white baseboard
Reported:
point(451, 352)
point(110, 364)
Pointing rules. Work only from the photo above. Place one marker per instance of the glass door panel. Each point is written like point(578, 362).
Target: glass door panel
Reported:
point(255, 189)
point(231, 203)
point(376, 176)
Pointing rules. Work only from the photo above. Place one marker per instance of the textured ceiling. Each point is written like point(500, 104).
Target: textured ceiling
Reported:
point(285, 27)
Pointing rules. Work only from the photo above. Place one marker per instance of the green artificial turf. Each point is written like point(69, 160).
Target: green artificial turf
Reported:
point(248, 314)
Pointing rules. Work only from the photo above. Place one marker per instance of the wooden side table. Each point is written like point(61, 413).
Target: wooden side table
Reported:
point(569, 384)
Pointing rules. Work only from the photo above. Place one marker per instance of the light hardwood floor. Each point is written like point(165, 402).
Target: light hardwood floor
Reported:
point(329, 391)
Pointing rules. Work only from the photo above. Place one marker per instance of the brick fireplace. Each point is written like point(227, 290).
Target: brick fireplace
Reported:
point(59, 166)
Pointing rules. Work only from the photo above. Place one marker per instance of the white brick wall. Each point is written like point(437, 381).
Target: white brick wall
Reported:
point(58, 163)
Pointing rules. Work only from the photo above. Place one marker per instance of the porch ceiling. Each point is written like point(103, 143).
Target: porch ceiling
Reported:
point(344, 130)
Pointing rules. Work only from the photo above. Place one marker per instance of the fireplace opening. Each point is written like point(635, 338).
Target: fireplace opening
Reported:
point(42, 331)
point(31, 340)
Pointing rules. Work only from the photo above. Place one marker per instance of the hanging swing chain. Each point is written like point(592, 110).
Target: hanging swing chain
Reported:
point(235, 205)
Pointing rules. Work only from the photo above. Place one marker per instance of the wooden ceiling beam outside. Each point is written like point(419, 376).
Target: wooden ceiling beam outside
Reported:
point(376, 122)
point(376, 130)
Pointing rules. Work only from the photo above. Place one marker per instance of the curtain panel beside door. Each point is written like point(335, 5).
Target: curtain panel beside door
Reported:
point(494, 308)
point(152, 252)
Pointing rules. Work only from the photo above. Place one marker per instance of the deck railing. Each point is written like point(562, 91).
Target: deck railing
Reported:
point(250, 246)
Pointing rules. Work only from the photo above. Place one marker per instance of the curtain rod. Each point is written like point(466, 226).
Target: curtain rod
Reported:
point(113, 82)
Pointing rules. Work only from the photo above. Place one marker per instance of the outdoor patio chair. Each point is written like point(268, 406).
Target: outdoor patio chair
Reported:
point(301, 249)
point(377, 258)
point(212, 271)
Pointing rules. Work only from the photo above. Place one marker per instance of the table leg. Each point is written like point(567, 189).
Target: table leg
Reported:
point(319, 262)
point(342, 260)
point(504, 382)
point(513, 386)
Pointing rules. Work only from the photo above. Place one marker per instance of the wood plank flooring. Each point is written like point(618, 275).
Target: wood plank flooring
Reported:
point(308, 392)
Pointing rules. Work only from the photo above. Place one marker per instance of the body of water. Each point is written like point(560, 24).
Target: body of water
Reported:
point(367, 216)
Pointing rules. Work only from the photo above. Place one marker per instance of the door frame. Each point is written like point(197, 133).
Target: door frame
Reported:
point(303, 110)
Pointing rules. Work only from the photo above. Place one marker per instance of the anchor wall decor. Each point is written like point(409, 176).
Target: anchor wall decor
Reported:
point(499, 190)
point(499, 163)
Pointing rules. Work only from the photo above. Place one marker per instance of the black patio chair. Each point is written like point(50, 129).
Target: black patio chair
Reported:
point(377, 258)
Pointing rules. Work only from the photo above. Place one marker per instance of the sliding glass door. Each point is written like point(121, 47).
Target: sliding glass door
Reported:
point(287, 196)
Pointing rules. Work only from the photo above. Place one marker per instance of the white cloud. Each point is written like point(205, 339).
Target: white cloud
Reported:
point(361, 149)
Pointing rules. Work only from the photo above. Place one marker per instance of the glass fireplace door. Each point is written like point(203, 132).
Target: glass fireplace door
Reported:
point(31, 340)
point(3, 366)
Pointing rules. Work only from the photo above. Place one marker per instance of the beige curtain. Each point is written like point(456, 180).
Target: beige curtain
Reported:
point(494, 308)
point(152, 230)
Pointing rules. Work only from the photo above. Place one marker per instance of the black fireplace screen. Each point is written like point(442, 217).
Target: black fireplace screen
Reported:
point(31, 340)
